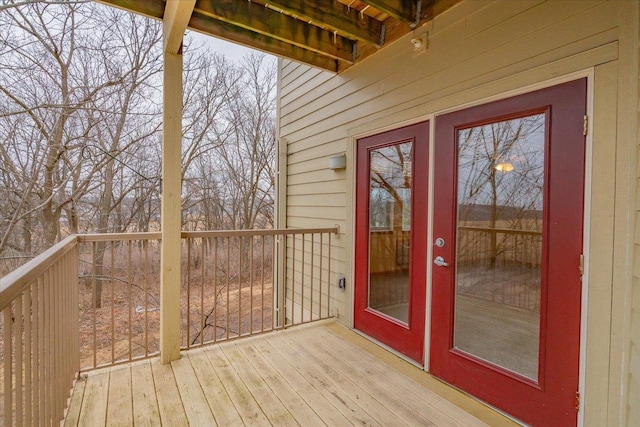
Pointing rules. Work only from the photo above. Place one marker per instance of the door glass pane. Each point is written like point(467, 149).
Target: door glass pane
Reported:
point(499, 242)
point(390, 229)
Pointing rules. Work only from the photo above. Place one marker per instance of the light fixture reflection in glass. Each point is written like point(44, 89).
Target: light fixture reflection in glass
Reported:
point(504, 167)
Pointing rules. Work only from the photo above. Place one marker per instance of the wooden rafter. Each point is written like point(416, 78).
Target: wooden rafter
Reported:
point(329, 34)
point(272, 23)
point(336, 16)
point(233, 33)
point(434, 8)
point(150, 8)
point(404, 10)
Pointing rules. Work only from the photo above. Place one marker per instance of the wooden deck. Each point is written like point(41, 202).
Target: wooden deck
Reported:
point(319, 374)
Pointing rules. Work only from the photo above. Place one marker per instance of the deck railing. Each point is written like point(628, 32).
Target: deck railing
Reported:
point(93, 301)
point(230, 291)
point(119, 298)
point(40, 336)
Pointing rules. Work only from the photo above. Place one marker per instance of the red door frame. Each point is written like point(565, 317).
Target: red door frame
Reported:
point(407, 339)
point(552, 400)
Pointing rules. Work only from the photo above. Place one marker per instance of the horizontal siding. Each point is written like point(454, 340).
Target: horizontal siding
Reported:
point(525, 36)
point(301, 75)
point(316, 152)
point(315, 176)
point(288, 67)
point(472, 46)
point(494, 14)
point(477, 49)
point(317, 188)
point(312, 200)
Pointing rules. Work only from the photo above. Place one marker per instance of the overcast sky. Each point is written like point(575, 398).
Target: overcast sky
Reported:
point(232, 51)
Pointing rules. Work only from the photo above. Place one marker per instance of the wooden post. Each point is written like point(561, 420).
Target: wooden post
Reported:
point(175, 20)
point(171, 221)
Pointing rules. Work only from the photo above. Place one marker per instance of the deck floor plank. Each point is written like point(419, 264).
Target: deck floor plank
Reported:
point(195, 403)
point(436, 408)
point(94, 403)
point(330, 414)
point(313, 375)
point(120, 403)
point(342, 400)
point(220, 403)
point(73, 414)
point(301, 411)
point(169, 402)
point(272, 407)
point(145, 402)
point(387, 395)
point(379, 409)
point(241, 396)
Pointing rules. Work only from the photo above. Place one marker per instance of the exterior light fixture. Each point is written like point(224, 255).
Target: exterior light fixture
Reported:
point(338, 162)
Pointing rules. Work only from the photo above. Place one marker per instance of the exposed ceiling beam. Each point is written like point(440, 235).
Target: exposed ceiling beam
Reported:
point(175, 20)
point(434, 8)
point(266, 21)
point(236, 34)
point(150, 8)
point(337, 16)
point(404, 10)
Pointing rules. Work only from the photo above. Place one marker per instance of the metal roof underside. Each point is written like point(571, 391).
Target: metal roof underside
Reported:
point(328, 34)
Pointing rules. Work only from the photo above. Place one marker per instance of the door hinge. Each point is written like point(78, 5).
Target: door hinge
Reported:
point(585, 125)
point(577, 401)
point(581, 266)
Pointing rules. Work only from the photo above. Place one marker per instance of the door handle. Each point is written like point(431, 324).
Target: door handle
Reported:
point(440, 262)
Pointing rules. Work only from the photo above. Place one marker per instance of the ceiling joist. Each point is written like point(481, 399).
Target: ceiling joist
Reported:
point(334, 15)
point(224, 30)
point(150, 8)
point(403, 10)
point(328, 34)
point(272, 23)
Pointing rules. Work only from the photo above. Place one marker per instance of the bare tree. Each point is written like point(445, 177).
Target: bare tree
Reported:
point(79, 120)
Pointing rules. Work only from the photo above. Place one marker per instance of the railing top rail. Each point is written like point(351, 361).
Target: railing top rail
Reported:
point(501, 230)
point(256, 232)
point(117, 237)
point(15, 282)
point(109, 237)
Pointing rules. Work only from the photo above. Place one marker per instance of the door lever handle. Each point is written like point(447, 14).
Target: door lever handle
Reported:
point(440, 262)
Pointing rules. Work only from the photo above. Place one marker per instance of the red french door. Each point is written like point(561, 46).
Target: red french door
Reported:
point(508, 227)
point(391, 230)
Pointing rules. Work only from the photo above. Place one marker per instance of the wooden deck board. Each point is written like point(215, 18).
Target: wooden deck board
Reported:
point(326, 386)
point(120, 403)
point(323, 407)
point(376, 409)
point(195, 403)
point(73, 414)
point(94, 403)
point(401, 389)
point(169, 402)
point(241, 396)
point(272, 407)
point(388, 395)
point(314, 375)
point(302, 412)
point(145, 404)
point(220, 403)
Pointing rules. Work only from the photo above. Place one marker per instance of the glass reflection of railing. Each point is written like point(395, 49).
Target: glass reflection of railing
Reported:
point(500, 264)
